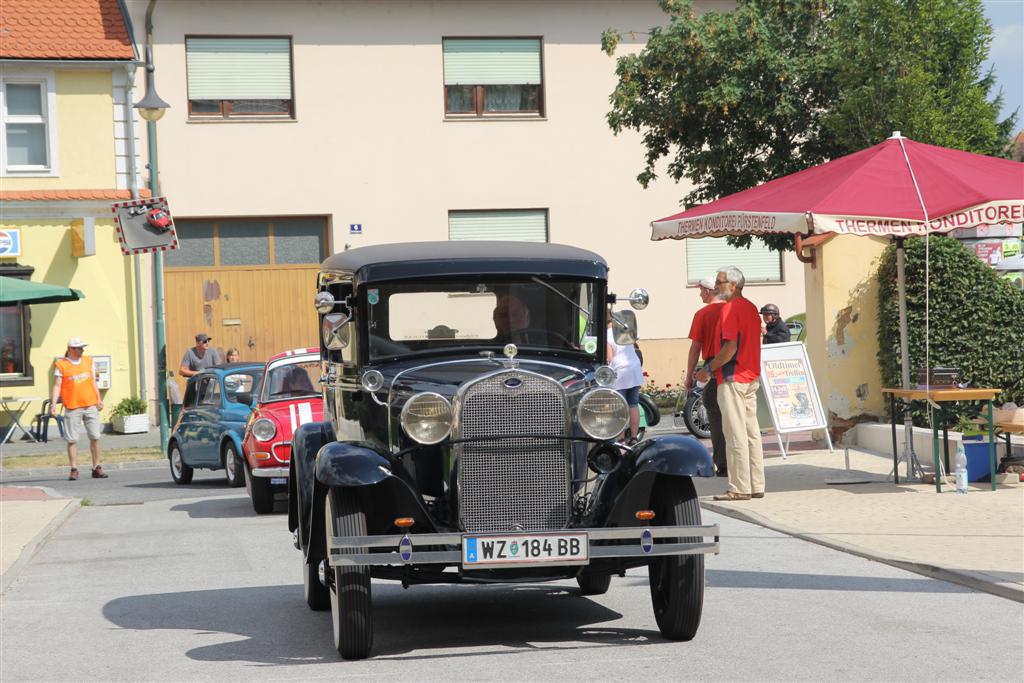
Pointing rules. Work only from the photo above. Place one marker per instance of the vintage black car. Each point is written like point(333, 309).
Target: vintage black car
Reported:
point(472, 436)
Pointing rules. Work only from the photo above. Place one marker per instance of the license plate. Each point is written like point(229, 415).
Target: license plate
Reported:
point(517, 549)
point(278, 480)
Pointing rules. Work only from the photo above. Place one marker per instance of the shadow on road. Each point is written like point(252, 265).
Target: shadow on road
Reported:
point(278, 629)
point(217, 508)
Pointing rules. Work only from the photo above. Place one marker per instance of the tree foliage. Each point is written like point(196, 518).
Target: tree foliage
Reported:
point(975, 318)
point(735, 99)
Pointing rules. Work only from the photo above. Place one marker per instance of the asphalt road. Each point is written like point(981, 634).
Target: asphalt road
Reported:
point(156, 586)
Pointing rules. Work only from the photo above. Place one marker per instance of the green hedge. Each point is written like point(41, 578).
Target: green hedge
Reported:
point(976, 320)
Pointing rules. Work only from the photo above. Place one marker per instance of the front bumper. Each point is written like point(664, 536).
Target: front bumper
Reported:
point(269, 471)
point(402, 552)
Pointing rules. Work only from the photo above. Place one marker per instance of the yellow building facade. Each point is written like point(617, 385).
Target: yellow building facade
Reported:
point(66, 159)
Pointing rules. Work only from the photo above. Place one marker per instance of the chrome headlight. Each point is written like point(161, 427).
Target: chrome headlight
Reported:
point(264, 429)
point(605, 376)
point(603, 413)
point(427, 418)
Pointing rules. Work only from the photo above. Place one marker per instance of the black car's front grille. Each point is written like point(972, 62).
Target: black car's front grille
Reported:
point(514, 483)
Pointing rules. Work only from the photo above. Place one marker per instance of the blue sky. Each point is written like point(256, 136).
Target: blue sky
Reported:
point(1006, 52)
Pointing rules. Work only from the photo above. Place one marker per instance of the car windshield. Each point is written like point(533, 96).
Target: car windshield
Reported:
point(532, 313)
point(292, 380)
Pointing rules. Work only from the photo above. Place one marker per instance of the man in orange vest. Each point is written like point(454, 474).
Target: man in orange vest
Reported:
point(75, 385)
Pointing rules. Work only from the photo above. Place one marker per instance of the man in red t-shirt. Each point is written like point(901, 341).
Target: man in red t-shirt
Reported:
point(737, 366)
point(704, 333)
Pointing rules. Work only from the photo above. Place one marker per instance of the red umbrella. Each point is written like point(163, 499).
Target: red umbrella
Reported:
point(897, 188)
point(883, 190)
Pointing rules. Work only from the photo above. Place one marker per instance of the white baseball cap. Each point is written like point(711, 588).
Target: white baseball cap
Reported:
point(76, 343)
point(708, 282)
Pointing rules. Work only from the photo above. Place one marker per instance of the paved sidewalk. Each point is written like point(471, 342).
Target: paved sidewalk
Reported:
point(28, 515)
point(976, 540)
point(110, 441)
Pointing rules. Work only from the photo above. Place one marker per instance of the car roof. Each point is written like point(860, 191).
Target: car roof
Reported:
point(294, 352)
point(228, 368)
point(469, 257)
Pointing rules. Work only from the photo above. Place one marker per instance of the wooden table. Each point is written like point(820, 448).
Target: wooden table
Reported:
point(950, 395)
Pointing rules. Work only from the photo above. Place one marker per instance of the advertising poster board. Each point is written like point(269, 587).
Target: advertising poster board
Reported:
point(789, 389)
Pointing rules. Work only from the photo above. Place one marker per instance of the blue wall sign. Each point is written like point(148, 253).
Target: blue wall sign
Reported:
point(10, 242)
point(355, 228)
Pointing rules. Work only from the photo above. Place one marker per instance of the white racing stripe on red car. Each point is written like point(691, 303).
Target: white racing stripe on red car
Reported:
point(305, 413)
point(291, 413)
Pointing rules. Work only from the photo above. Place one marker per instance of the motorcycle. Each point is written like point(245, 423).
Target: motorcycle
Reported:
point(691, 413)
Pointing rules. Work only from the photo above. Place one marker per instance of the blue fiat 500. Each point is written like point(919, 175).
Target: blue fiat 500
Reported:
point(208, 433)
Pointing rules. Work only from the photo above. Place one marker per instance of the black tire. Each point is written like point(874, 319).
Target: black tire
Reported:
point(677, 581)
point(180, 472)
point(696, 417)
point(260, 492)
point(650, 409)
point(318, 596)
point(594, 584)
point(232, 466)
point(350, 597)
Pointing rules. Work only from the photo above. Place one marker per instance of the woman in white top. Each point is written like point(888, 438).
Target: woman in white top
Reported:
point(629, 376)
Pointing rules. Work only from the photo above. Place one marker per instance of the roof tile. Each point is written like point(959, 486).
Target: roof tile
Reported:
point(67, 195)
point(63, 29)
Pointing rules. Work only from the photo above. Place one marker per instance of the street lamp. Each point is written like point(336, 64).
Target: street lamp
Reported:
point(152, 108)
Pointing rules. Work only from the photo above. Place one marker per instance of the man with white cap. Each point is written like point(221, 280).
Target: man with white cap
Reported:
point(75, 386)
point(704, 336)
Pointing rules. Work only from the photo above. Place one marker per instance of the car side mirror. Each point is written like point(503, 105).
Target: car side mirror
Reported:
point(624, 327)
point(335, 331)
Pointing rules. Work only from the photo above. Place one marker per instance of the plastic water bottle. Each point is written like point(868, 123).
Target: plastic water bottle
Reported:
point(961, 470)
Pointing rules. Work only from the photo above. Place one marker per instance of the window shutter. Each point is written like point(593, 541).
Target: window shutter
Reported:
point(491, 61)
point(706, 255)
point(239, 68)
point(518, 226)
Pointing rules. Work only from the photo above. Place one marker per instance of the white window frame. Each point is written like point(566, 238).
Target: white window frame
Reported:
point(48, 119)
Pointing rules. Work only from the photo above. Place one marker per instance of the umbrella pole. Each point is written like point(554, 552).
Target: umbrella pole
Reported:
point(914, 471)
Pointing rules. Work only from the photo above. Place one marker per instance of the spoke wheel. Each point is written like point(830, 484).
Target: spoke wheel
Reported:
point(696, 417)
point(180, 472)
point(677, 581)
point(351, 601)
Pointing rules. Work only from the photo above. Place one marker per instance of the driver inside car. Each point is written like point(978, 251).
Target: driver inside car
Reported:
point(297, 383)
point(512, 319)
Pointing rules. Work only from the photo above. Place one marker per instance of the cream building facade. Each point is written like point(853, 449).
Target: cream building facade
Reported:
point(367, 127)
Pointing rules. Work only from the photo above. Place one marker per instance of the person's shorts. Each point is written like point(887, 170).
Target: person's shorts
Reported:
point(632, 396)
point(76, 418)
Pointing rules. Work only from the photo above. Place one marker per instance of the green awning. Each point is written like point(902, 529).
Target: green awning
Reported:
point(16, 291)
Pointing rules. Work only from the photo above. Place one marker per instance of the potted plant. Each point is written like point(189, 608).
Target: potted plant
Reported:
point(130, 416)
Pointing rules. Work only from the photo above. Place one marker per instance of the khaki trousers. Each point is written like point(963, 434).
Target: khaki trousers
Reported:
point(743, 451)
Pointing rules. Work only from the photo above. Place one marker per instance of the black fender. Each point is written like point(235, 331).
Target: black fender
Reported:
point(307, 441)
point(628, 489)
point(383, 493)
point(651, 408)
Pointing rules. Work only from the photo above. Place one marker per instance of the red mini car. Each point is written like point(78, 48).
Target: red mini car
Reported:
point(289, 396)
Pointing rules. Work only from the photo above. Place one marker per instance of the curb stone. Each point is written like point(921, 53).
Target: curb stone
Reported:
point(973, 580)
point(29, 551)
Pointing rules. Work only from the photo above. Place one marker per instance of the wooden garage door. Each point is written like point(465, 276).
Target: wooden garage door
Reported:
point(248, 283)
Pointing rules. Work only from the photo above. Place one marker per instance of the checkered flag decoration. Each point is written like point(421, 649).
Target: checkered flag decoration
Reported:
point(144, 226)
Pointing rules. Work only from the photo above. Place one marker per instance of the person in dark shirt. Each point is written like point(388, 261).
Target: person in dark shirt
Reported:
point(775, 329)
